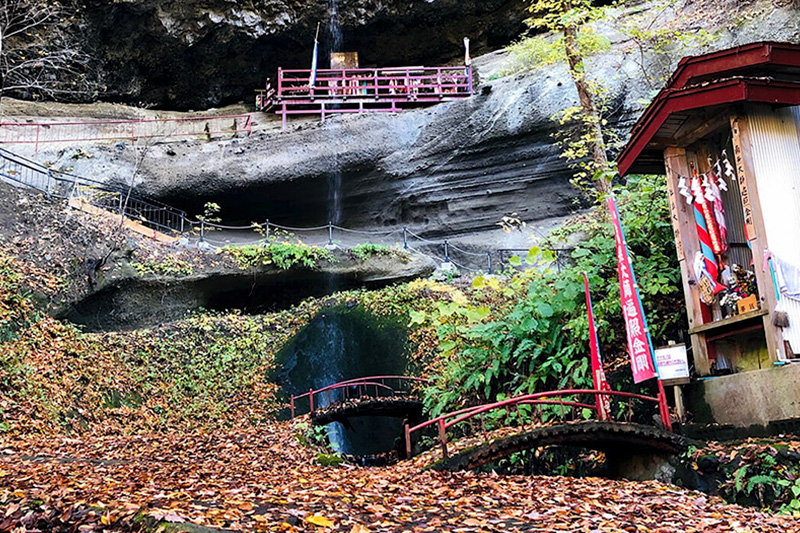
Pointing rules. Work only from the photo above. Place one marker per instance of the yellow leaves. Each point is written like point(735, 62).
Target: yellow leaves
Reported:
point(320, 521)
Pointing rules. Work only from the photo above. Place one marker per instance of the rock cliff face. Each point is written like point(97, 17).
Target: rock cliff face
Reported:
point(124, 300)
point(195, 54)
point(454, 168)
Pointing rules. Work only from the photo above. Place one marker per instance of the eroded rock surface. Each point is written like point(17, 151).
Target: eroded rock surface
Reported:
point(124, 300)
point(451, 169)
point(195, 54)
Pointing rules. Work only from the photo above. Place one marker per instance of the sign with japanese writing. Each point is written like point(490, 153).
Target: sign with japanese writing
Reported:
point(672, 362)
point(741, 178)
point(639, 348)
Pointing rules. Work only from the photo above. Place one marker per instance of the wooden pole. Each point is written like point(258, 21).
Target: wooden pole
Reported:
point(679, 406)
point(687, 245)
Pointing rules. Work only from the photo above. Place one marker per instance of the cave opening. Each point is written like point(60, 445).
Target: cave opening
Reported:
point(305, 201)
point(343, 343)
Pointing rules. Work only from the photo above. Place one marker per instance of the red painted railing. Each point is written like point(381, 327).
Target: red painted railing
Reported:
point(356, 388)
point(38, 133)
point(446, 421)
point(361, 90)
point(393, 83)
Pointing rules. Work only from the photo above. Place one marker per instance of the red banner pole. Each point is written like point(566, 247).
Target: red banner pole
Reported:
point(598, 376)
point(662, 404)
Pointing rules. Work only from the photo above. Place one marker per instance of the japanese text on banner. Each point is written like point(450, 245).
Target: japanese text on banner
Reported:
point(637, 336)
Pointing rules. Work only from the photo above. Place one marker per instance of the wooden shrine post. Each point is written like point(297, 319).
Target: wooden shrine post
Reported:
point(687, 245)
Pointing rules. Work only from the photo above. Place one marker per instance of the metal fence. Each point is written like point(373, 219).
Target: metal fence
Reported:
point(38, 133)
point(148, 212)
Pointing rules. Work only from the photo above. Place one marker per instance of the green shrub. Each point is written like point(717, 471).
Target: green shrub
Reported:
point(283, 255)
point(168, 266)
point(366, 250)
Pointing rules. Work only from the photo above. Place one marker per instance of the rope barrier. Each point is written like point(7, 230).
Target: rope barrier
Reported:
point(421, 238)
point(290, 228)
point(165, 217)
point(362, 232)
point(229, 228)
point(454, 247)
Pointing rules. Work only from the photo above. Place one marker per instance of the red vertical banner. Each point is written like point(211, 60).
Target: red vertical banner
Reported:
point(639, 346)
point(598, 376)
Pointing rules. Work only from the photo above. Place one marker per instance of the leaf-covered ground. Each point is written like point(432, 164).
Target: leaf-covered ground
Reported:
point(267, 480)
point(173, 424)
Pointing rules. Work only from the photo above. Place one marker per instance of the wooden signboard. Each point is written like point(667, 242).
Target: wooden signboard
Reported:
point(344, 60)
point(741, 177)
point(672, 194)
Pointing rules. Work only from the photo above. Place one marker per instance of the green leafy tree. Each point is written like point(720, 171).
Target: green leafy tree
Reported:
point(575, 40)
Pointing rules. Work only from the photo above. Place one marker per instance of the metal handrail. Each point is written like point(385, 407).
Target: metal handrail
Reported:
point(448, 420)
point(377, 381)
point(95, 193)
point(128, 129)
point(367, 82)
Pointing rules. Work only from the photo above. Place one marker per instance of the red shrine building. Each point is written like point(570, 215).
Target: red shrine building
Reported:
point(726, 133)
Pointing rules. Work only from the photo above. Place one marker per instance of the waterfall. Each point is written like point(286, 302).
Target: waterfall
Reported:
point(335, 175)
point(334, 26)
point(339, 344)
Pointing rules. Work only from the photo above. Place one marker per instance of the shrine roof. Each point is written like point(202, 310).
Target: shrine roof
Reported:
point(691, 103)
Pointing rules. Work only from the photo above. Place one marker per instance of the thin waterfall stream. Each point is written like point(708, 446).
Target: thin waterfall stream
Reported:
point(345, 343)
point(335, 174)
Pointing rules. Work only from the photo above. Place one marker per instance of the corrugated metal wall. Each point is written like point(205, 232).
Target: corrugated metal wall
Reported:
point(738, 253)
point(776, 160)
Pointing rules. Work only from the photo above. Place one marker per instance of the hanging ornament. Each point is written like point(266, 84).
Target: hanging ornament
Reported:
point(728, 167)
point(707, 285)
point(717, 171)
point(714, 196)
point(683, 190)
point(705, 263)
point(707, 213)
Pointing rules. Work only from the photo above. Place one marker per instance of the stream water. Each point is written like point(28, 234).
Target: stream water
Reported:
point(344, 343)
point(335, 174)
point(340, 344)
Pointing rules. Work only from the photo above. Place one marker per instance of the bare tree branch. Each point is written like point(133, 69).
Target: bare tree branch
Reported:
point(40, 56)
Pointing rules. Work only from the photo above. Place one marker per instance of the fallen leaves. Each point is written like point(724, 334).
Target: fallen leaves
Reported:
point(264, 480)
point(319, 521)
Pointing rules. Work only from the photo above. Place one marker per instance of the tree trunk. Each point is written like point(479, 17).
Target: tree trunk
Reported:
point(592, 123)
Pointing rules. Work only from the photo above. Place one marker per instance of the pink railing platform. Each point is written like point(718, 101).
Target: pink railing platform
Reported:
point(362, 90)
point(38, 133)
point(357, 388)
point(566, 399)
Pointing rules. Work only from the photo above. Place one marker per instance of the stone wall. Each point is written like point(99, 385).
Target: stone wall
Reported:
point(748, 398)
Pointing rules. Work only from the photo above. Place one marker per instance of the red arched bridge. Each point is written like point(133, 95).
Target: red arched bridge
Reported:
point(577, 424)
point(367, 396)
